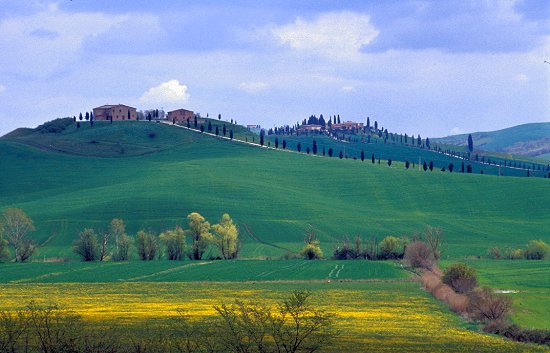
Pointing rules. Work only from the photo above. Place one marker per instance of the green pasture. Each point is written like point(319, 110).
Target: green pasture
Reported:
point(191, 271)
point(273, 196)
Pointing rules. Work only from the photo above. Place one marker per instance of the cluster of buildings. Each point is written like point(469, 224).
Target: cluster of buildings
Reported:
point(125, 112)
point(344, 126)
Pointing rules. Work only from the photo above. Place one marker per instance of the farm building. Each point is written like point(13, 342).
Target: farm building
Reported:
point(180, 115)
point(115, 112)
point(348, 125)
point(310, 128)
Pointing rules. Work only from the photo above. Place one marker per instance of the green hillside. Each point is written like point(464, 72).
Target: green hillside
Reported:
point(272, 195)
point(528, 139)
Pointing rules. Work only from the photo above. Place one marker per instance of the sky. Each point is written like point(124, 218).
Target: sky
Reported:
point(433, 68)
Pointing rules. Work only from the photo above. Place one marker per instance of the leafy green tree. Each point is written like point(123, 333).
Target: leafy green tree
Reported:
point(122, 250)
point(200, 235)
point(226, 237)
point(87, 246)
point(174, 243)
point(147, 245)
point(392, 247)
point(15, 226)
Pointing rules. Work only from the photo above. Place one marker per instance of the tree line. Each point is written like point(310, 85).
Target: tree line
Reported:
point(173, 244)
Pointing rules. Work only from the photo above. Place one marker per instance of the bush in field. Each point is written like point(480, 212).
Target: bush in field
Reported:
point(347, 251)
point(294, 326)
point(4, 253)
point(461, 277)
point(87, 246)
point(419, 255)
point(494, 253)
point(485, 305)
point(392, 248)
point(147, 245)
point(537, 250)
point(54, 126)
point(311, 250)
point(515, 254)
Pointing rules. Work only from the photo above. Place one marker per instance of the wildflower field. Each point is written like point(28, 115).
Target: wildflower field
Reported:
point(370, 316)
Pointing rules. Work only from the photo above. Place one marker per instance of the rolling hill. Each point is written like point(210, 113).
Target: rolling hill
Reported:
point(528, 140)
point(167, 172)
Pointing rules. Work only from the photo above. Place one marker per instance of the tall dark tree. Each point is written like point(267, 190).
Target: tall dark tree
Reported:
point(362, 156)
point(195, 122)
point(231, 134)
point(91, 115)
point(202, 128)
point(284, 144)
point(130, 118)
point(224, 130)
point(307, 149)
point(74, 118)
point(209, 126)
point(80, 117)
point(219, 117)
point(451, 167)
point(470, 143)
point(372, 158)
point(299, 147)
point(389, 162)
point(469, 168)
point(341, 155)
point(276, 142)
point(330, 152)
point(323, 151)
point(428, 142)
point(407, 164)
point(188, 123)
point(375, 126)
point(425, 166)
point(462, 169)
point(87, 116)
point(338, 119)
point(368, 122)
point(262, 133)
point(431, 166)
point(217, 130)
point(418, 140)
point(314, 148)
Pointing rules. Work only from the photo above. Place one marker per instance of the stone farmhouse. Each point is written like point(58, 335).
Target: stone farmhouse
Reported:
point(115, 112)
point(180, 115)
point(348, 125)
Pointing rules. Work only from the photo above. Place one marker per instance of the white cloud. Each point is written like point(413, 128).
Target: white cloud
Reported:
point(49, 40)
point(347, 89)
point(456, 131)
point(3, 88)
point(253, 86)
point(522, 78)
point(338, 35)
point(170, 93)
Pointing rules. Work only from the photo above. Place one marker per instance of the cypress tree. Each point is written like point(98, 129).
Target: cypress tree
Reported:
point(284, 144)
point(362, 156)
point(202, 128)
point(217, 130)
point(80, 117)
point(209, 126)
point(231, 134)
point(299, 147)
point(188, 124)
point(276, 142)
point(223, 130)
point(262, 133)
point(431, 166)
point(87, 116)
point(314, 148)
point(372, 158)
point(425, 166)
point(341, 155)
point(470, 143)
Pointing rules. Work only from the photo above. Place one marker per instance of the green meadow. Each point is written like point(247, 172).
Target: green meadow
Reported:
point(272, 195)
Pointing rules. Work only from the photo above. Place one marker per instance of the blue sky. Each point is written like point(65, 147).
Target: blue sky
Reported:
point(428, 67)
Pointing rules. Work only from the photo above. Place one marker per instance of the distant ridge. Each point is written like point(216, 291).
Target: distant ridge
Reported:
point(528, 140)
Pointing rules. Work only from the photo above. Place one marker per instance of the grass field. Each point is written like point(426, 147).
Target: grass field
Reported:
point(370, 317)
point(189, 271)
point(530, 282)
point(274, 194)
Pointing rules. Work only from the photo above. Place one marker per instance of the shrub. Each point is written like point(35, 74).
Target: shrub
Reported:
point(311, 250)
point(417, 254)
point(54, 126)
point(536, 250)
point(494, 253)
point(147, 245)
point(392, 247)
point(485, 305)
point(346, 251)
point(461, 277)
point(514, 254)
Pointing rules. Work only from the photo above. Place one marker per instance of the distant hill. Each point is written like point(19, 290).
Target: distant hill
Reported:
point(527, 140)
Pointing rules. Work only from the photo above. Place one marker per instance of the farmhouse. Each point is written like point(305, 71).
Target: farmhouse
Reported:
point(347, 125)
point(180, 115)
point(310, 128)
point(115, 112)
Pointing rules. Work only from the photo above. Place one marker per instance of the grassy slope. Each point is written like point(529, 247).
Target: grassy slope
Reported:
point(531, 280)
point(276, 194)
point(502, 140)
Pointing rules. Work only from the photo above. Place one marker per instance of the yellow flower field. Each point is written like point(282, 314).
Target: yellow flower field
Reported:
point(370, 317)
